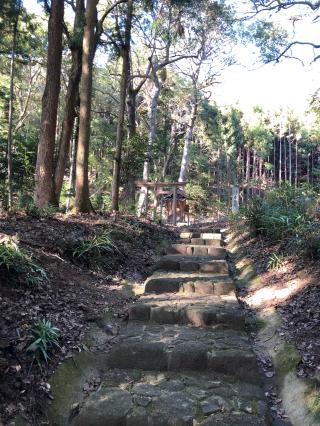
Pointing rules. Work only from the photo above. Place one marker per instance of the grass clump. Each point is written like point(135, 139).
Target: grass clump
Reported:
point(45, 337)
point(94, 249)
point(19, 264)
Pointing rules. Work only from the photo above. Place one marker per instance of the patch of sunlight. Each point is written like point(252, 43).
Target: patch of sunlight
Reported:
point(273, 293)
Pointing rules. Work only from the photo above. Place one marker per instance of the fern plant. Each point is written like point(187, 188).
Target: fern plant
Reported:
point(45, 337)
point(275, 261)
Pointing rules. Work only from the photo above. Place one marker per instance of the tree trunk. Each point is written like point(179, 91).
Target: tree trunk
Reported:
point(285, 158)
point(125, 53)
point(72, 173)
point(142, 202)
point(82, 200)
point(280, 160)
point(70, 100)
point(296, 161)
point(172, 145)
point(44, 193)
point(188, 139)
point(10, 114)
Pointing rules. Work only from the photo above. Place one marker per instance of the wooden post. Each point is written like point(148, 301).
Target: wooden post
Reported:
point(174, 206)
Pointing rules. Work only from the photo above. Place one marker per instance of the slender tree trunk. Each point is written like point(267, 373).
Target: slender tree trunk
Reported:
point(171, 148)
point(280, 159)
point(70, 101)
point(290, 162)
point(296, 161)
point(142, 202)
point(274, 160)
point(44, 193)
point(188, 138)
point(72, 173)
point(82, 200)
point(285, 158)
point(10, 115)
point(125, 53)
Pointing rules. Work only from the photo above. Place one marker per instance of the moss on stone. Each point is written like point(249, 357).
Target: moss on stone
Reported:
point(67, 384)
point(287, 359)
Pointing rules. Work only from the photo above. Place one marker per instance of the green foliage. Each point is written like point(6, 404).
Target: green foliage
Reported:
point(45, 337)
point(26, 203)
point(270, 39)
point(286, 214)
point(275, 261)
point(94, 249)
point(197, 198)
point(18, 263)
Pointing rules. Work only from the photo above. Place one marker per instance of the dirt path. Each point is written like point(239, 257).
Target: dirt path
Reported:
point(184, 358)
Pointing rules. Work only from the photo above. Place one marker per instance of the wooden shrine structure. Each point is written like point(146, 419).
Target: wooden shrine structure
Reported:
point(171, 195)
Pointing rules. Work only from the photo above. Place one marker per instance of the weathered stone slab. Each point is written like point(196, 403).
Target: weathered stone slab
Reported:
point(214, 249)
point(198, 241)
point(211, 236)
point(105, 407)
point(138, 398)
point(173, 347)
point(169, 282)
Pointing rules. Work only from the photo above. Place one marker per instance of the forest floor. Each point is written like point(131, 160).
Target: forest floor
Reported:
point(293, 290)
point(74, 296)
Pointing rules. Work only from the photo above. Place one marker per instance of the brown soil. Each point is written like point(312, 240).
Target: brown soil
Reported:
point(74, 296)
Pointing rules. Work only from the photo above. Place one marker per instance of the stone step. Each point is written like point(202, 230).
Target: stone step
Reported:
point(197, 250)
point(201, 311)
point(176, 348)
point(189, 282)
point(192, 264)
point(137, 398)
point(202, 235)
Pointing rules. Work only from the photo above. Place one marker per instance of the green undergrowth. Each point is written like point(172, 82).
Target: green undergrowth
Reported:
point(287, 215)
point(18, 265)
point(287, 358)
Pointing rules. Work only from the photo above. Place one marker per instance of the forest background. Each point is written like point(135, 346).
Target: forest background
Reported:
point(95, 97)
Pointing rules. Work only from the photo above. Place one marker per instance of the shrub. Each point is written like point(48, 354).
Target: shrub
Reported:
point(45, 337)
point(17, 262)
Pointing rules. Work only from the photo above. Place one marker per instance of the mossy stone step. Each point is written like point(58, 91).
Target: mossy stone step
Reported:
point(176, 348)
point(202, 235)
point(200, 313)
point(189, 282)
point(197, 250)
point(137, 398)
point(192, 264)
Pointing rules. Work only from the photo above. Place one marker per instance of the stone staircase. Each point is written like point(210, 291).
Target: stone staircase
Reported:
point(184, 358)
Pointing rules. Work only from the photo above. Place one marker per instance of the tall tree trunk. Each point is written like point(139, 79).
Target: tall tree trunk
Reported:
point(10, 114)
point(280, 159)
point(296, 161)
point(72, 173)
point(125, 53)
point(142, 202)
point(70, 100)
point(44, 193)
point(82, 200)
point(285, 158)
point(171, 148)
point(188, 138)
point(290, 155)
